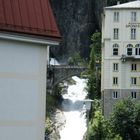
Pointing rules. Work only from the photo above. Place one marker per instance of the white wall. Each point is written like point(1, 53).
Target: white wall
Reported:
point(124, 74)
point(22, 90)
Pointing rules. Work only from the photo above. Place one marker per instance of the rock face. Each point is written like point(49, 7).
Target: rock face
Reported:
point(77, 20)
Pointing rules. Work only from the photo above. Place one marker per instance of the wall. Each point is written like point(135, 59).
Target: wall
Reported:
point(22, 90)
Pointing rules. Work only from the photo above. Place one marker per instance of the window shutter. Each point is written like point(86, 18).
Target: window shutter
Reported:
point(138, 81)
point(138, 67)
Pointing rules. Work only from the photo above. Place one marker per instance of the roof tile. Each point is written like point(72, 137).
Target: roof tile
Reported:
point(29, 17)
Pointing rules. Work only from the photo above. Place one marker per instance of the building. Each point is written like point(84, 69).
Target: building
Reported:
point(120, 53)
point(27, 29)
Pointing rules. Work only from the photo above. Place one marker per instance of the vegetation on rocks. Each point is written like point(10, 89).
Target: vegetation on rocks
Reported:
point(53, 100)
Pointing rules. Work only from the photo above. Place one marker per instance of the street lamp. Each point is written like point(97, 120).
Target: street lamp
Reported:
point(88, 103)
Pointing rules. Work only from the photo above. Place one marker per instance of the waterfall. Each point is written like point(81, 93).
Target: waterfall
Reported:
point(74, 111)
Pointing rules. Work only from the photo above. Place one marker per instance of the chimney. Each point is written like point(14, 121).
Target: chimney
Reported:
point(118, 2)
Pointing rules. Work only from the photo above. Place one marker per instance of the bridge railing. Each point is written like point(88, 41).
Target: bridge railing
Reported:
point(65, 66)
point(57, 73)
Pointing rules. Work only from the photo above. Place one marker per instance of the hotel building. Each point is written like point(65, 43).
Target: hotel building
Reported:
point(120, 54)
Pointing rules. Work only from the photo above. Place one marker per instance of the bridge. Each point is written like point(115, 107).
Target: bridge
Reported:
point(58, 73)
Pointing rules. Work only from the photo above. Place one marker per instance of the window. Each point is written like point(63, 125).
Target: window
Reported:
point(116, 16)
point(129, 49)
point(133, 16)
point(115, 94)
point(115, 49)
point(116, 33)
point(115, 66)
point(133, 67)
point(133, 80)
point(115, 80)
point(137, 49)
point(133, 33)
point(134, 94)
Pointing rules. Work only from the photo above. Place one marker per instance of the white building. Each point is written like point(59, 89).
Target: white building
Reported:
point(27, 28)
point(120, 53)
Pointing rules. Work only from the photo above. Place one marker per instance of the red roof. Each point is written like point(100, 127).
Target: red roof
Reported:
point(28, 16)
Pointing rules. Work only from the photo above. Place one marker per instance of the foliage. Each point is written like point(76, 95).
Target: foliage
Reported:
point(92, 60)
point(123, 124)
point(94, 85)
point(53, 99)
point(125, 119)
point(75, 59)
point(50, 103)
point(48, 126)
point(99, 127)
point(94, 73)
point(114, 2)
point(57, 92)
point(96, 45)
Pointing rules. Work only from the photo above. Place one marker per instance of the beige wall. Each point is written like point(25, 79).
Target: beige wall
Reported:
point(22, 90)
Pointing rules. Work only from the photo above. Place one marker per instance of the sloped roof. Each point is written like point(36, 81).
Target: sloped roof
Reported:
point(128, 5)
point(33, 17)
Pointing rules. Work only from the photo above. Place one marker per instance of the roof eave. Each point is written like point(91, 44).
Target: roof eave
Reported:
point(29, 39)
point(114, 8)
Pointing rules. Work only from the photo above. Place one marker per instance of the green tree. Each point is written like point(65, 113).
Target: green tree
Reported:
point(92, 60)
point(125, 120)
point(75, 59)
point(94, 73)
point(96, 45)
point(99, 127)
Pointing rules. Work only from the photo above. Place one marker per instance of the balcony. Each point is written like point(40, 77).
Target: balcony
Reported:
point(125, 57)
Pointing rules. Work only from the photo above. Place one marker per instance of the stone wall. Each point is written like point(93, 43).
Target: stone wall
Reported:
point(109, 101)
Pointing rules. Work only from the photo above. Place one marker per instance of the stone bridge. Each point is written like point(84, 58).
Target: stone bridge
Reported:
point(58, 73)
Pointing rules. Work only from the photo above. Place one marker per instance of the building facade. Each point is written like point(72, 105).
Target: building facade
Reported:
point(27, 29)
point(120, 54)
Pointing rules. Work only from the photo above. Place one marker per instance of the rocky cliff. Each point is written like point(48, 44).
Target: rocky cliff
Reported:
point(77, 20)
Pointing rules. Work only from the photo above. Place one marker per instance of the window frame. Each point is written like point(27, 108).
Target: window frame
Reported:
point(129, 46)
point(133, 81)
point(133, 94)
point(116, 33)
point(133, 16)
point(137, 49)
point(115, 81)
point(115, 67)
point(116, 16)
point(133, 33)
point(133, 67)
point(115, 94)
point(115, 49)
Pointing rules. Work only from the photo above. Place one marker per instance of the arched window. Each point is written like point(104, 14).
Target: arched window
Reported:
point(129, 49)
point(115, 49)
point(137, 49)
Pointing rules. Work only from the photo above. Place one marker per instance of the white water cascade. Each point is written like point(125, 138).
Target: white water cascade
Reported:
point(74, 111)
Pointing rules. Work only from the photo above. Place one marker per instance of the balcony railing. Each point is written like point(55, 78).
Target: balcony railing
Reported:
point(125, 57)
